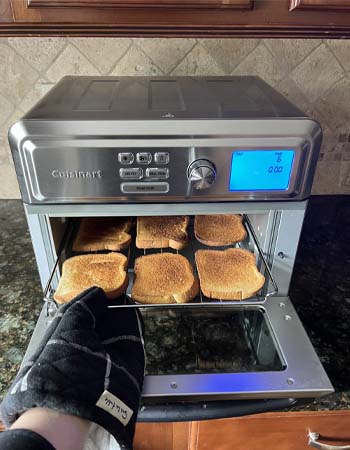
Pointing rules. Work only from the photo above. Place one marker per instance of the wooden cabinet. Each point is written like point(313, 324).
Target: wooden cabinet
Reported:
point(238, 4)
point(5, 11)
point(321, 5)
point(198, 18)
point(163, 436)
point(272, 431)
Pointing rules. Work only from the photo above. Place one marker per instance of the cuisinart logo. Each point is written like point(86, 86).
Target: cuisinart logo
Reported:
point(77, 174)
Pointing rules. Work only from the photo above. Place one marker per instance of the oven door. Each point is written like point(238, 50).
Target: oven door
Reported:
point(223, 361)
point(211, 359)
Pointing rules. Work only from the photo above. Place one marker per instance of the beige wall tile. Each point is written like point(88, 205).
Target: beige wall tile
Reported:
point(317, 73)
point(318, 114)
point(198, 62)
point(103, 53)
point(262, 63)
point(4, 156)
point(166, 53)
point(341, 49)
point(291, 90)
point(291, 52)
point(228, 53)
point(6, 108)
point(40, 88)
point(8, 186)
point(335, 106)
point(5, 152)
point(39, 52)
point(16, 115)
point(136, 62)
point(70, 62)
point(4, 145)
point(16, 75)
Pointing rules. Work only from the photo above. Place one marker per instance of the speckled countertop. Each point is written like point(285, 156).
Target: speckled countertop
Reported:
point(20, 290)
point(320, 291)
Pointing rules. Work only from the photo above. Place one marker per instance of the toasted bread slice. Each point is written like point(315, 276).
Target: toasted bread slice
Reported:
point(164, 278)
point(162, 232)
point(107, 271)
point(103, 233)
point(221, 229)
point(228, 274)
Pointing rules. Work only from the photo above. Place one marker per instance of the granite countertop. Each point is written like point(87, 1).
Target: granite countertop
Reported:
point(320, 291)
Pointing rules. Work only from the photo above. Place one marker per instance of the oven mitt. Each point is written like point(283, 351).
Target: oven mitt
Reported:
point(90, 364)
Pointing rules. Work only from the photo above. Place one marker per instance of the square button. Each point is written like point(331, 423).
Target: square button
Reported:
point(143, 158)
point(125, 158)
point(161, 158)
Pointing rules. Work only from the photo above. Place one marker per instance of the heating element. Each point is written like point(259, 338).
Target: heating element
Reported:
point(138, 146)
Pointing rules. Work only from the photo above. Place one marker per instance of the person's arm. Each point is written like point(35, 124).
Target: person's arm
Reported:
point(63, 431)
point(89, 367)
point(45, 429)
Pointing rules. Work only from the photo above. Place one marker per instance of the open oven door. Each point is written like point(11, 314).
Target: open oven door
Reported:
point(212, 359)
point(223, 362)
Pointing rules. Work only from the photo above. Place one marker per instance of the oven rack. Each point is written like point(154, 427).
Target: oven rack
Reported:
point(251, 243)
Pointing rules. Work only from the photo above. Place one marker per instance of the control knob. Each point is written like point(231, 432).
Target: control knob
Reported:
point(201, 174)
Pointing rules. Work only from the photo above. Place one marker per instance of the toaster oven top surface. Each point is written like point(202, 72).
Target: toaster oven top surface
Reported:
point(142, 98)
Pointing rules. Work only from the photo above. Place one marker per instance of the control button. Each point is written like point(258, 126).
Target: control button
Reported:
point(153, 172)
point(125, 158)
point(145, 188)
point(143, 158)
point(161, 158)
point(134, 173)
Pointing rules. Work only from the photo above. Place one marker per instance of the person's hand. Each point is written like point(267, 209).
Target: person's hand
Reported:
point(90, 364)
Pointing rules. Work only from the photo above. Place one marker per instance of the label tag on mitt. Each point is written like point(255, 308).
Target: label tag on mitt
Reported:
point(113, 405)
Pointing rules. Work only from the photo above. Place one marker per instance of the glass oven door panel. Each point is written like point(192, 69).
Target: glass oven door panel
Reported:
point(198, 341)
point(231, 353)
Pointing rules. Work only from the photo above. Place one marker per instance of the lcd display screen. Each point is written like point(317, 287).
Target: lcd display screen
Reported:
point(261, 170)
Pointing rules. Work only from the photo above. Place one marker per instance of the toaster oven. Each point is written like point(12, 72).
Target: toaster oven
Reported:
point(139, 146)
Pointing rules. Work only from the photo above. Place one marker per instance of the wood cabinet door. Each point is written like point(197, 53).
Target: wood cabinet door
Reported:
point(171, 18)
point(162, 436)
point(320, 5)
point(239, 4)
point(5, 11)
point(272, 431)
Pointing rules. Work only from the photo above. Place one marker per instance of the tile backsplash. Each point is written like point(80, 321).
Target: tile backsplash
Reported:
point(313, 73)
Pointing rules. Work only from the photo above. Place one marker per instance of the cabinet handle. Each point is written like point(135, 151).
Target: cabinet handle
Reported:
point(313, 438)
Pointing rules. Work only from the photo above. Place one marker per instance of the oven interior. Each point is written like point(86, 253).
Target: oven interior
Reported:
point(65, 229)
point(182, 338)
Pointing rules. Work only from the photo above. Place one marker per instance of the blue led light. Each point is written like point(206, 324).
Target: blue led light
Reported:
point(261, 170)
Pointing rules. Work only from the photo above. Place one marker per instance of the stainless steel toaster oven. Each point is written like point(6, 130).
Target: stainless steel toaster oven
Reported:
point(138, 146)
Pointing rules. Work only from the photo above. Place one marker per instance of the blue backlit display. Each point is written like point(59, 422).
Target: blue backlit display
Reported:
point(261, 170)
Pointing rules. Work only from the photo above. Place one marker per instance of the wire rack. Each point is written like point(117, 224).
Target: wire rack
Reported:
point(251, 243)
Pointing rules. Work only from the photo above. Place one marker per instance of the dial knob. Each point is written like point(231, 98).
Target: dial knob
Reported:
point(201, 174)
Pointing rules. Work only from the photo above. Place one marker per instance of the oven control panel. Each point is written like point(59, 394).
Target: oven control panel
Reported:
point(81, 171)
point(152, 167)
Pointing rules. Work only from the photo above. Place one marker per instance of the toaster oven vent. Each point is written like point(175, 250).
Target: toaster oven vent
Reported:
point(250, 243)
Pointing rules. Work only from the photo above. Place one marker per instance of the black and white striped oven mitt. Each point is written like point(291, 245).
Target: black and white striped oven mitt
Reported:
point(90, 364)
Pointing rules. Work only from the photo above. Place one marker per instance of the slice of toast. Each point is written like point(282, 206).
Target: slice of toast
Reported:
point(103, 233)
point(162, 232)
point(218, 230)
point(164, 278)
point(228, 274)
point(107, 271)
